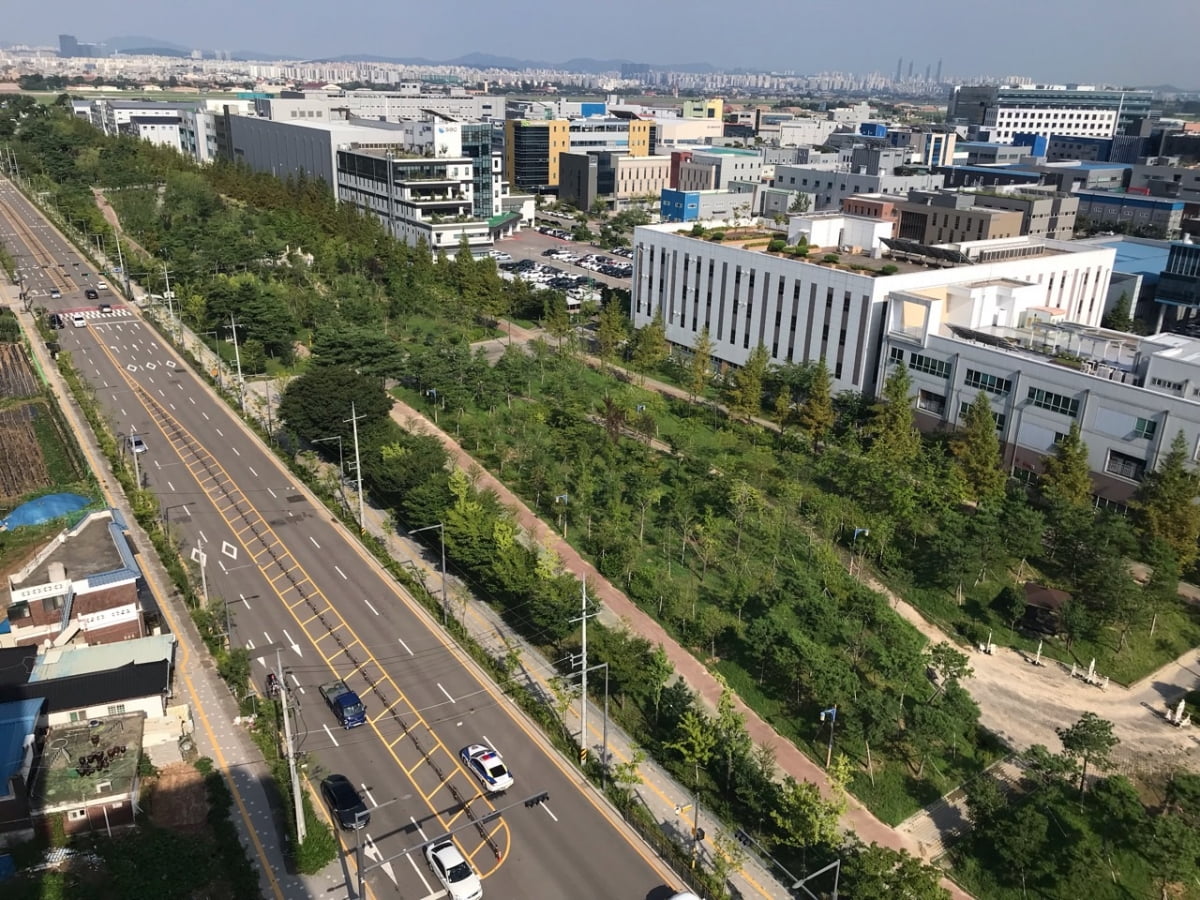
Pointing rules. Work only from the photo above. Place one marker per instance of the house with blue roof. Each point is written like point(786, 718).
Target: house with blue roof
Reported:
point(84, 585)
point(18, 740)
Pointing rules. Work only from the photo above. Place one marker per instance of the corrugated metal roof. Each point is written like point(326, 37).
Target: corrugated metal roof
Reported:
point(65, 662)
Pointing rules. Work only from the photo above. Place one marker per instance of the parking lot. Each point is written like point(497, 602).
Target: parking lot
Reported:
point(531, 245)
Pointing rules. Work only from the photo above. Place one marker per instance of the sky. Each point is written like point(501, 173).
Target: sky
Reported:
point(1043, 40)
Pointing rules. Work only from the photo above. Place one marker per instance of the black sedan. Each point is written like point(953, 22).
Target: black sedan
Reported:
point(345, 803)
point(91, 294)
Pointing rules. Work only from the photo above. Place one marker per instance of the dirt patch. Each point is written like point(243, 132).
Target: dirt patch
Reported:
point(179, 799)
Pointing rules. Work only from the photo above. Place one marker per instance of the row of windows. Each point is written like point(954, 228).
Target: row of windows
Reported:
point(999, 418)
point(929, 365)
point(984, 381)
point(1057, 403)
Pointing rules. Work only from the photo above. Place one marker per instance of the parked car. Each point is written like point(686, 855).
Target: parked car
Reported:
point(453, 871)
point(345, 803)
point(487, 766)
point(54, 320)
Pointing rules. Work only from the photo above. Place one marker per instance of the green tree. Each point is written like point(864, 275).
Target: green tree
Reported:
point(700, 365)
point(650, 345)
point(950, 665)
point(1066, 480)
point(977, 452)
point(886, 482)
point(696, 739)
point(805, 818)
point(1120, 317)
point(1090, 741)
point(1162, 587)
point(318, 403)
point(1023, 845)
point(1166, 503)
point(1171, 846)
point(733, 740)
point(881, 873)
point(745, 390)
point(816, 416)
point(611, 331)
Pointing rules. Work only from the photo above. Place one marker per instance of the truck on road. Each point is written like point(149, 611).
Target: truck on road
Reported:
point(344, 703)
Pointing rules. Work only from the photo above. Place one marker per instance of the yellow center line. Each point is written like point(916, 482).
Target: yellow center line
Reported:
point(176, 433)
point(182, 669)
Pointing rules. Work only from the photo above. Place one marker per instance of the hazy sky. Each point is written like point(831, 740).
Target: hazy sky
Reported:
point(1046, 40)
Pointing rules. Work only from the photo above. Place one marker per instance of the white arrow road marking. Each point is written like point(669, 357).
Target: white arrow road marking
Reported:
point(330, 733)
point(372, 853)
point(294, 645)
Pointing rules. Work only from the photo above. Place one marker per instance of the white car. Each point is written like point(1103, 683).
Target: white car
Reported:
point(454, 872)
point(488, 766)
point(100, 285)
point(78, 320)
point(55, 294)
point(137, 445)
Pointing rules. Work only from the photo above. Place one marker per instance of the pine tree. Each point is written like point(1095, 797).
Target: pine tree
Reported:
point(610, 331)
point(1120, 317)
point(700, 367)
point(650, 346)
point(977, 452)
point(746, 390)
point(1166, 505)
point(1067, 481)
point(816, 417)
point(893, 432)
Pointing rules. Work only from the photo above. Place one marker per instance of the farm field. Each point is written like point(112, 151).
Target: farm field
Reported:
point(38, 454)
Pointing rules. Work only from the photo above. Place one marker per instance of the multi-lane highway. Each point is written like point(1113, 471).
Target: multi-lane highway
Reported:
point(294, 580)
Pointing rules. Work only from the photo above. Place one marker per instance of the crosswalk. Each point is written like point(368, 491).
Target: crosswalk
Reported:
point(96, 314)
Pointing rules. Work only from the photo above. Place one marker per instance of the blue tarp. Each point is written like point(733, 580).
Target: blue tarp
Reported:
point(43, 509)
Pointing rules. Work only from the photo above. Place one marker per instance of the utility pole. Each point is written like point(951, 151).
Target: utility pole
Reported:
point(137, 472)
point(169, 296)
point(832, 714)
point(291, 755)
point(237, 358)
point(353, 420)
point(121, 263)
point(583, 700)
point(204, 581)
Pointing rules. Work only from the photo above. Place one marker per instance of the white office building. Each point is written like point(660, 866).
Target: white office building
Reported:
point(1129, 395)
point(801, 311)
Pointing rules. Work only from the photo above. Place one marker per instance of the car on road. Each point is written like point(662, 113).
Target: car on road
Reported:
point(78, 320)
point(100, 285)
point(345, 802)
point(54, 320)
point(137, 445)
point(55, 294)
point(105, 309)
point(487, 766)
point(453, 871)
point(91, 294)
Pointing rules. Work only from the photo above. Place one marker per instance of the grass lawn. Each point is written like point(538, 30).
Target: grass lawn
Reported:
point(61, 457)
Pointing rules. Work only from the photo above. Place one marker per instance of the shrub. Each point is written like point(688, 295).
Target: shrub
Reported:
point(800, 250)
point(830, 258)
point(204, 765)
point(776, 245)
point(889, 269)
point(697, 230)
point(717, 236)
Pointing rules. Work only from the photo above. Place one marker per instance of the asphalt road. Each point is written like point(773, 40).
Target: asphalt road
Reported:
point(293, 580)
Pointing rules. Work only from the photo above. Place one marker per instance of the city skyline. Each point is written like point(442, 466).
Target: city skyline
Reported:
point(1051, 40)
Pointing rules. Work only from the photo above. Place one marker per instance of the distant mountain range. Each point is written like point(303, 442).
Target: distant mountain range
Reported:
point(135, 44)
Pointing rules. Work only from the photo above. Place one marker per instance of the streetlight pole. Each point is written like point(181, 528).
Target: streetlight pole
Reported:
point(583, 700)
point(353, 420)
point(604, 757)
point(237, 357)
point(301, 825)
point(137, 470)
point(442, 535)
point(832, 713)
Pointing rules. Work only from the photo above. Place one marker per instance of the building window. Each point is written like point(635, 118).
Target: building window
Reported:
point(1125, 466)
point(929, 365)
point(931, 402)
point(76, 815)
point(118, 710)
point(896, 355)
point(1176, 386)
point(1145, 428)
point(78, 716)
point(1056, 403)
point(984, 381)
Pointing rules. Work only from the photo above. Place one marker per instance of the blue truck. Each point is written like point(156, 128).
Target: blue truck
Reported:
point(345, 704)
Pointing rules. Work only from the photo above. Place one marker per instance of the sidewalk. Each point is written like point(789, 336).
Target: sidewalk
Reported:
point(213, 707)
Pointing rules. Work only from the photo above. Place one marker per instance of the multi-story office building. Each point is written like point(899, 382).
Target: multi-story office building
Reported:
point(128, 116)
point(1067, 110)
point(715, 168)
point(927, 146)
point(1134, 213)
point(989, 153)
point(695, 206)
point(863, 170)
point(1042, 373)
point(1179, 283)
point(411, 101)
point(587, 177)
point(419, 198)
point(1044, 213)
point(801, 311)
point(938, 217)
point(532, 147)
